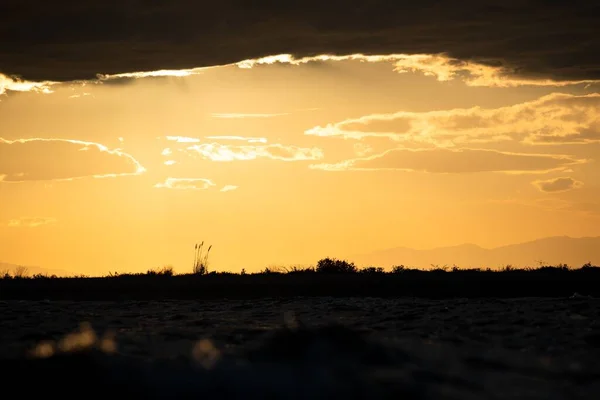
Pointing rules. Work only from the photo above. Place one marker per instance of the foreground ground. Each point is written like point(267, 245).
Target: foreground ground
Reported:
point(307, 348)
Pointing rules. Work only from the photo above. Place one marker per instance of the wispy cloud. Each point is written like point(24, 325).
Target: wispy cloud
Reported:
point(239, 138)
point(222, 152)
point(182, 139)
point(247, 115)
point(228, 188)
point(561, 184)
point(30, 222)
point(553, 119)
point(440, 66)
point(37, 159)
point(188, 139)
point(186, 184)
point(441, 160)
point(162, 73)
point(8, 83)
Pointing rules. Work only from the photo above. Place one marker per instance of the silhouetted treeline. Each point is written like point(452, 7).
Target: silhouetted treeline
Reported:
point(330, 277)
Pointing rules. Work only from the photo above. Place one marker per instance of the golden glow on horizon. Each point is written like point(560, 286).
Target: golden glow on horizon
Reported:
point(397, 150)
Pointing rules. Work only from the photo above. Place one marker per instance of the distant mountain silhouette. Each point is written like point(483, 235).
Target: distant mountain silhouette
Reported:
point(32, 270)
point(550, 251)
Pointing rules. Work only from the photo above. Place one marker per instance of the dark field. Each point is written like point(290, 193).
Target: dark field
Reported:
point(515, 334)
point(305, 348)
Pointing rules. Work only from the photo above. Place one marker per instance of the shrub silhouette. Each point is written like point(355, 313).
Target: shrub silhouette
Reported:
point(167, 270)
point(335, 266)
point(372, 270)
point(330, 277)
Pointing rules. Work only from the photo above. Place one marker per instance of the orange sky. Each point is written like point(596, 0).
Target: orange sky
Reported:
point(288, 162)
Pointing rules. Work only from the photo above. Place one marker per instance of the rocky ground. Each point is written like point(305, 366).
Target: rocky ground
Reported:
point(306, 348)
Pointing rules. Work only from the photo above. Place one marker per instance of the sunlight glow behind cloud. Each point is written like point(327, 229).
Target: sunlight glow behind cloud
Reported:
point(440, 66)
point(8, 83)
point(419, 141)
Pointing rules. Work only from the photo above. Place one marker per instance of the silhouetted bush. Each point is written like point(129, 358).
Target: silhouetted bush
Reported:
point(300, 270)
point(331, 277)
point(164, 271)
point(372, 270)
point(335, 266)
point(272, 271)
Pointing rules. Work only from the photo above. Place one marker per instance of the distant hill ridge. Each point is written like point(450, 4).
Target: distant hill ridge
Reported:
point(32, 270)
point(548, 251)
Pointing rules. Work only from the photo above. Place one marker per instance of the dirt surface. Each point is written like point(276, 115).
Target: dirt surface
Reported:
point(529, 348)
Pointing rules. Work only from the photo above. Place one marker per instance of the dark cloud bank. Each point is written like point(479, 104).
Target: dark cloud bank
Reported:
point(71, 39)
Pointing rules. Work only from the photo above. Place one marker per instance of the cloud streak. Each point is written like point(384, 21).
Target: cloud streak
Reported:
point(228, 188)
point(553, 119)
point(41, 159)
point(13, 84)
point(439, 66)
point(186, 184)
point(222, 152)
point(562, 184)
point(455, 161)
point(30, 222)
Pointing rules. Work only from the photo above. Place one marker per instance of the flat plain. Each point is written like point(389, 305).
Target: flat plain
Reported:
point(307, 347)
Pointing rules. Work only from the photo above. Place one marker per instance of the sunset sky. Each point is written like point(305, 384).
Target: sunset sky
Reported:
point(283, 160)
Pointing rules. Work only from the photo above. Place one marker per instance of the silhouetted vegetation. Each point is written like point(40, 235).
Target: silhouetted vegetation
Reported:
point(330, 277)
point(201, 259)
point(334, 266)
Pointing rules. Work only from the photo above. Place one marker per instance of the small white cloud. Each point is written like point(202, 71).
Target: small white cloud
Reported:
point(228, 188)
point(30, 222)
point(182, 139)
point(186, 184)
point(555, 185)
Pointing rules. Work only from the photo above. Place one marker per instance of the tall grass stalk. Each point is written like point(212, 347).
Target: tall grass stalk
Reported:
point(201, 259)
